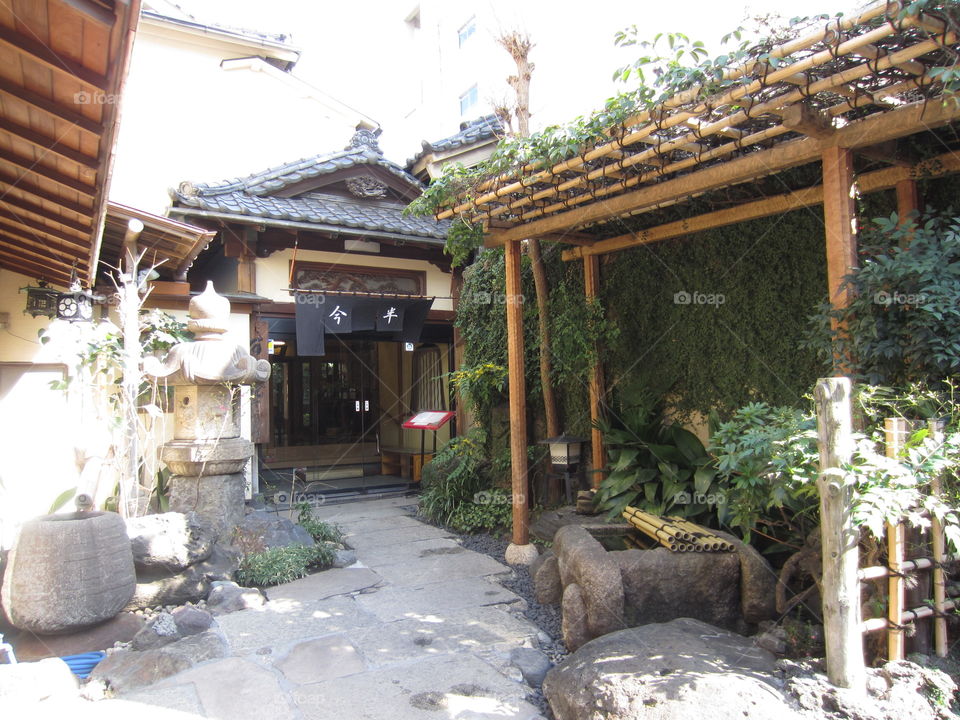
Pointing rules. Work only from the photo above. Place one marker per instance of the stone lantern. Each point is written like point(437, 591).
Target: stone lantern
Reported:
point(207, 454)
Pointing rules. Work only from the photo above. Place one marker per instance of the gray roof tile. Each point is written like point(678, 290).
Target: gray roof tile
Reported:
point(483, 128)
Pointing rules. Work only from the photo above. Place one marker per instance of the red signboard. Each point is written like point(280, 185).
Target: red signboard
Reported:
point(429, 420)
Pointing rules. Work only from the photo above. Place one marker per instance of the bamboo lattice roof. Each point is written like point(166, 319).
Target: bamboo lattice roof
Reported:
point(855, 82)
point(62, 65)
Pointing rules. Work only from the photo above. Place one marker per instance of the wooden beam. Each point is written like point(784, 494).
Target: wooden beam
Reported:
point(838, 535)
point(802, 118)
point(19, 203)
point(47, 144)
point(246, 266)
point(840, 223)
point(518, 395)
point(50, 107)
point(55, 273)
point(43, 55)
point(19, 183)
point(29, 225)
point(877, 128)
point(591, 288)
point(31, 166)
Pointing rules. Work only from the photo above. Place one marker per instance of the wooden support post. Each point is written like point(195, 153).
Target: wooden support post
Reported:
point(518, 394)
point(939, 584)
point(908, 202)
point(591, 288)
point(840, 223)
point(839, 537)
point(895, 430)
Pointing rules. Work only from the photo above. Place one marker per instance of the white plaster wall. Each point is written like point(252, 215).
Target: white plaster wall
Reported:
point(273, 273)
point(184, 117)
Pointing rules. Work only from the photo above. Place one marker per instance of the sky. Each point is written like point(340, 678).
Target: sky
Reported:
point(355, 51)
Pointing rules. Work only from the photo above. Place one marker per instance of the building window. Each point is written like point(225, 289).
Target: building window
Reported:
point(468, 101)
point(467, 31)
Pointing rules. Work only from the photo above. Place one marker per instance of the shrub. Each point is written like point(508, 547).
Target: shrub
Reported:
point(281, 564)
point(319, 530)
point(453, 477)
point(488, 510)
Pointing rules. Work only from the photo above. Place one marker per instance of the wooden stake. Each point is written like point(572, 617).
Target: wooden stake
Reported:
point(839, 537)
point(518, 394)
point(591, 288)
point(895, 430)
point(939, 585)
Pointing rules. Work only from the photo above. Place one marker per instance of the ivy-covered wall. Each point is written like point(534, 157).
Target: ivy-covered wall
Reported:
point(715, 320)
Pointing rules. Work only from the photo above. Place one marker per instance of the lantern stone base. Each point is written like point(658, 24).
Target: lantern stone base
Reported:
point(521, 554)
point(206, 457)
point(217, 499)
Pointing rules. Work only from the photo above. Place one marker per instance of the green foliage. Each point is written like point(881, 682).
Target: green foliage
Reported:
point(277, 565)
point(767, 466)
point(481, 386)
point(655, 467)
point(486, 511)
point(319, 530)
point(456, 473)
point(902, 324)
point(719, 355)
point(61, 500)
point(160, 494)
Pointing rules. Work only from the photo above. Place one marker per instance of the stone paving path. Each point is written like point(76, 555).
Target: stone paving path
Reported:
point(419, 628)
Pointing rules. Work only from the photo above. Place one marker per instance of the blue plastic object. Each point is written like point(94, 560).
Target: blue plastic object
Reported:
point(82, 664)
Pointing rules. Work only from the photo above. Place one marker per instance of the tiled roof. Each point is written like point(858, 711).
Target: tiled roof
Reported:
point(475, 131)
point(255, 195)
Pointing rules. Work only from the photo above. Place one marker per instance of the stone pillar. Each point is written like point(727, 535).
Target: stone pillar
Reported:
point(207, 455)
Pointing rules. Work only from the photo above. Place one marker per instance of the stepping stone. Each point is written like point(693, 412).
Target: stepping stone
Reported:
point(437, 567)
point(325, 584)
point(387, 554)
point(434, 599)
point(362, 541)
point(322, 659)
point(452, 686)
point(471, 630)
point(282, 622)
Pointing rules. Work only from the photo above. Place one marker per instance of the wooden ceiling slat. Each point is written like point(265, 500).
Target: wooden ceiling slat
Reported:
point(14, 201)
point(48, 144)
point(30, 225)
point(48, 173)
point(55, 274)
point(49, 107)
point(12, 180)
point(42, 55)
point(40, 252)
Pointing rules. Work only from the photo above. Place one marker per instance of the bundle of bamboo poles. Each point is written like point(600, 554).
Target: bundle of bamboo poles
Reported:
point(675, 533)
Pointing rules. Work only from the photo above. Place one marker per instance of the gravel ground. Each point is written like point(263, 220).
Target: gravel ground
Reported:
point(545, 617)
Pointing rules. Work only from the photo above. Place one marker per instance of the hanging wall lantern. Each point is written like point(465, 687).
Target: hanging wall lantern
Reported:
point(75, 305)
point(41, 300)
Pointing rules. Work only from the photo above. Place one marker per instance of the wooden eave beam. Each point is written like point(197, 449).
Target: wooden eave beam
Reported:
point(801, 118)
point(871, 130)
point(39, 252)
point(43, 55)
point(57, 236)
point(14, 201)
point(48, 145)
point(867, 183)
point(13, 260)
point(31, 166)
point(50, 107)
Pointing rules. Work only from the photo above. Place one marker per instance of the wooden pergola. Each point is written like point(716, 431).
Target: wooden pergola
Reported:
point(854, 87)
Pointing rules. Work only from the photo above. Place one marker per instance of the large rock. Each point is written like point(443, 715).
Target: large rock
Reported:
point(121, 628)
point(546, 581)
point(161, 630)
point(228, 597)
point(156, 588)
point(574, 618)
point(584, 561)
point(660, 585)
point(533, 665)
point(129, 669)
point(170, 541)
point(260, 529)
point(681, 670)
point(758, 582)
point(68, 572)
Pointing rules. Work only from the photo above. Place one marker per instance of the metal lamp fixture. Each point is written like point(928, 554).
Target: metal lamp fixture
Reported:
point(565, 452)
point(41, 300)
point(76, 305)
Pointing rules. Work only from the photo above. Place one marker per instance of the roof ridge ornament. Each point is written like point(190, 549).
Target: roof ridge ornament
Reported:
point(365, 138)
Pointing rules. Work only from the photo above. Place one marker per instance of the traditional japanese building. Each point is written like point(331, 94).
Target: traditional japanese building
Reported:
point(351, 301)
